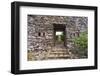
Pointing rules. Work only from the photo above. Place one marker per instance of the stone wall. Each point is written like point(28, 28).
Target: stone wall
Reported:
point(41, 30)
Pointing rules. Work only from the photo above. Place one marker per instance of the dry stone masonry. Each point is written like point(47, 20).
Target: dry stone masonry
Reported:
point(41, 33)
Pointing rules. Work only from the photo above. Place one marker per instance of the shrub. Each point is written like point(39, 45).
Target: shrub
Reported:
point(81, 41)
point(81, 44)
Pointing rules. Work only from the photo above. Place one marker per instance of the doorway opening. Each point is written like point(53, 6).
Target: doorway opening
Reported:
point(59, 35)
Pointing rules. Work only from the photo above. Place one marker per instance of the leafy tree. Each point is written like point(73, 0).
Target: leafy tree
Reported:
point(82, 40)
point(81, 44)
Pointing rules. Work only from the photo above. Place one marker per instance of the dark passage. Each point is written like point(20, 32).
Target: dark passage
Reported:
point(59, 35)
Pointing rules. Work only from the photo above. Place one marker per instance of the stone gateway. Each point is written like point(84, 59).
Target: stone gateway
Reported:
point(51, 37)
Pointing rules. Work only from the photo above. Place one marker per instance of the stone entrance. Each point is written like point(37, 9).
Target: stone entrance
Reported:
point(59, 35)
point(51, 37)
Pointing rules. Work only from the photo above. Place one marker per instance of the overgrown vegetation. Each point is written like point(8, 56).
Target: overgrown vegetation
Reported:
point(81, 44)
point(81, 41)
point(61, 37)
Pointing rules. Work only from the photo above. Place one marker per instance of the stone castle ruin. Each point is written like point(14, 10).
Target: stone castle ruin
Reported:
point(43, 43)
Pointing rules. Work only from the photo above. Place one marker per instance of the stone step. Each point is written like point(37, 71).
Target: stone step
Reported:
point(58, 56)
point(63, 50)
point(60, 50)
point(52, 55)
point(59, 53)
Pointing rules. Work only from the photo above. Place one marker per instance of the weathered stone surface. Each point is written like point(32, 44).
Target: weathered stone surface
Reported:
point(40, 34)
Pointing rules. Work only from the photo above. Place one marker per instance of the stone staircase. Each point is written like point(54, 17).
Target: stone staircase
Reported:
point(59, 53)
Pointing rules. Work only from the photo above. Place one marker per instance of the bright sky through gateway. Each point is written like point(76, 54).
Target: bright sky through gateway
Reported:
point(59, 32)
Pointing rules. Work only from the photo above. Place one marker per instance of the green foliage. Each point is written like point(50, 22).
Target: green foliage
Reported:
point(61, 37)
point(81, 41)
point(81, 44)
